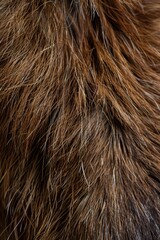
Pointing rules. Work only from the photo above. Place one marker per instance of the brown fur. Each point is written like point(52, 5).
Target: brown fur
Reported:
point(80, 120)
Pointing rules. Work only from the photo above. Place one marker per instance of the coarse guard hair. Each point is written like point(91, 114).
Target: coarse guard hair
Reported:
point(79, 120)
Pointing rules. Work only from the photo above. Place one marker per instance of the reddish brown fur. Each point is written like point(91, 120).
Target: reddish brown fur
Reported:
point(80, 120)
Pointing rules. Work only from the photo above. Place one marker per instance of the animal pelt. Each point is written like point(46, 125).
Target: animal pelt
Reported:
point(79, 120)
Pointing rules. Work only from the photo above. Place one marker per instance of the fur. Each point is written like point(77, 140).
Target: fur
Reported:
point(79, 120)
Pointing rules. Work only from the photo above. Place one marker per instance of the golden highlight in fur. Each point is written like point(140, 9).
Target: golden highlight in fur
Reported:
point(79, 120)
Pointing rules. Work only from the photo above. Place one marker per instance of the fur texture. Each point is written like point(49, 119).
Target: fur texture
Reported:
point(79, 120)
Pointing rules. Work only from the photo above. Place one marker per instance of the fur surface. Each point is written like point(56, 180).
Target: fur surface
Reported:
point(79, 120)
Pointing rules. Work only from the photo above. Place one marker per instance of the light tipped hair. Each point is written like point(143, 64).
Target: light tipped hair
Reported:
point(79, 120)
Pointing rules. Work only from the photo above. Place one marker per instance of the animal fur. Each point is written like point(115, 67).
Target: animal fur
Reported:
point(79, 120)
